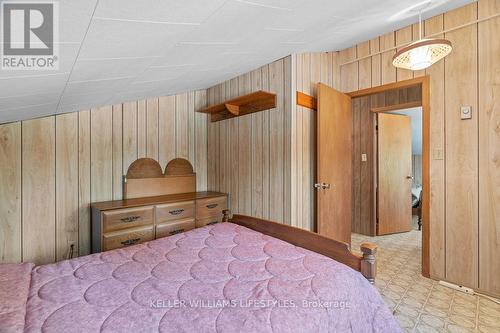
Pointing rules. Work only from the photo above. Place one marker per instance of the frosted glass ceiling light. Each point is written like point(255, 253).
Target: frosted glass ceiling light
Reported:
point(422, 53)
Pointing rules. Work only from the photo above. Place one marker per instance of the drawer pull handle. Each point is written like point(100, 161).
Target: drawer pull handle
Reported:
point(176, 211)
point(129, 219)
point(211, 206)
point(214, 222)
point(178, 231)
point(129, 242)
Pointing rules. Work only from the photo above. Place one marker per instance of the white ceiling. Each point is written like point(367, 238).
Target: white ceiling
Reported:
point(113, 51)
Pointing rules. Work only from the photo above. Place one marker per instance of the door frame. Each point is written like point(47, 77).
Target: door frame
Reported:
point(423, 83)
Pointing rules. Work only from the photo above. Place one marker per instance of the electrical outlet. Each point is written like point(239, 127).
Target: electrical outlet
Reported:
point(72, 250)
point(364, 158)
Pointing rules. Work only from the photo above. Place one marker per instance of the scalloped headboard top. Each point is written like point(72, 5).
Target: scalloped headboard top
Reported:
point(145, 178)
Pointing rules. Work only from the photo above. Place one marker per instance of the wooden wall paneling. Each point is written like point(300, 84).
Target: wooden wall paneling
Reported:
point(363, 171)
point(152, 137)
point(129, 133)
point(307, 144)
point(297, 144)
point(211, 145)
point(367, 135)
point(315, 72)
point(66, 152)
point(335, 57)
point(388, 71)
point(365, 65)
point(56, 166)
point(218, 142)
point(118, 152)
point(294, 77)
point(181, 126)
point(213, 134)
point(376, 61)
point(245, 153)
point(489, 147)
point(374, 165)
point(200, 140)
point(404, 37)
point(326, 70)
point(224, 183)
point(437, 161)
point(276, 142)
point(265, 147)
point(10, 192)
point(348, 72)
point(461, 149)
point(191, 126)
point(167, 130)
point(84, 242)
point(257, 151)
point(356, 165)
point(142, 129)
point(101, 148)
point(38, 188)
point(234, 134)
point(287, 105)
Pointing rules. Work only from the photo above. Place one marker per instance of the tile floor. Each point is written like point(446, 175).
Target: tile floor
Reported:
point(421, 304)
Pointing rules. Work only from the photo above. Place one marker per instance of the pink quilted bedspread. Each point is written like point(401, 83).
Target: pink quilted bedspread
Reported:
point(221, 278)
point(14, 286)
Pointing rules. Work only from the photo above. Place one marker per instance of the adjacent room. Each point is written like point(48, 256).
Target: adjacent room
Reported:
point(249, 166)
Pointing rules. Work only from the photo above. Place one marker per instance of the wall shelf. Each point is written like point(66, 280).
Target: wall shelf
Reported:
point(240, 106)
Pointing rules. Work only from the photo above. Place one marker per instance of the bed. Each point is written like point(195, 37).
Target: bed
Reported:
point(243, 275)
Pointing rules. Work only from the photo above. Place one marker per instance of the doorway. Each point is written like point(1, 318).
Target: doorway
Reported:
point(388, 100)
point(399, 171)
point(364, 105)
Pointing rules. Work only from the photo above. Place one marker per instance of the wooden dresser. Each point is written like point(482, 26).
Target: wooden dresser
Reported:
point(127, 222)
point(157, 204)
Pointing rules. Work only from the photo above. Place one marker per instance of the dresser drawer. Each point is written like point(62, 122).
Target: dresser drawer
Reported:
point(174, 227)
point(174, 211)
point(210, 207)
point(118, 239)
point(127, 218)
point(208, 221)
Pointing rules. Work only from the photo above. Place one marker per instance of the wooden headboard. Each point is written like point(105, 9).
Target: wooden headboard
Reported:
point(145, 178)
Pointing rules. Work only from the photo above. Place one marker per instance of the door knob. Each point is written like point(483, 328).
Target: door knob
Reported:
point(409, 177)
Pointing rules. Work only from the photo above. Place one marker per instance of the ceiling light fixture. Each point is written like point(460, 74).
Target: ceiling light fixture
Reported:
point(422, 53)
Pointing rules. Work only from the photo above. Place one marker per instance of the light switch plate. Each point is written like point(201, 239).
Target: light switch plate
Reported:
point(466, 112)
point(364, 158)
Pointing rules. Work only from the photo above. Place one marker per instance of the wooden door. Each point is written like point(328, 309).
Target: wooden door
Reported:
point(334, 184)
point(394, 173)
